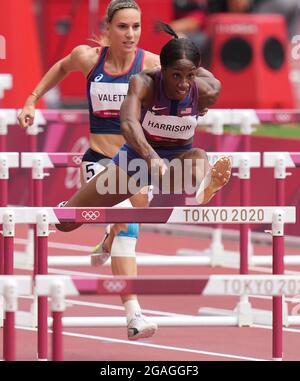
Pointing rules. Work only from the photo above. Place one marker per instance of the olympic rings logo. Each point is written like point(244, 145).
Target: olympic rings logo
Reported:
point(114, 286)
point(283, 117)
point(90, 215)
point(77, 159)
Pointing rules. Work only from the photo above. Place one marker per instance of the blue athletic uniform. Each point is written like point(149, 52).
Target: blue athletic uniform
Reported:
point(105, 94)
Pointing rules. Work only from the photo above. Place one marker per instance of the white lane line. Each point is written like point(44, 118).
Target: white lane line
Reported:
point(156, 346)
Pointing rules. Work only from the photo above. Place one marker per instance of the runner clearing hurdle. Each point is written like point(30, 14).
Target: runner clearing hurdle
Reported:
point(108, 69)
point(158, 120)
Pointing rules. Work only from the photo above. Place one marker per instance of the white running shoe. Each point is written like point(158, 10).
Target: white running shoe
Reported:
point(140, 327)
point(100, 256)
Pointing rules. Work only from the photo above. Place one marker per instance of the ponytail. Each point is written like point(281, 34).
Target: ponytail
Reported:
point(177, 48)
point(162, 26)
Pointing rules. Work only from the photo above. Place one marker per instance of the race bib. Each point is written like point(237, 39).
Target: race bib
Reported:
point(168, 126)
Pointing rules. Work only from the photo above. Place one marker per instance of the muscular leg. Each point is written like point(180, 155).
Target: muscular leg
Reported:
point(186, 171)
point(123, 259)
point(120, 245)
point(212, 178)
point(123, 265)
point(91, 194)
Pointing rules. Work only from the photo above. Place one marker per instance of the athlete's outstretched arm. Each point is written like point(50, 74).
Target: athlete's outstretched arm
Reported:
point(77, 60)
point(139, 91)
point(209, 88)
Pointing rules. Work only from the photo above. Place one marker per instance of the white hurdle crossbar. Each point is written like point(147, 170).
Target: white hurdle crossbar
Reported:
point(168, 215)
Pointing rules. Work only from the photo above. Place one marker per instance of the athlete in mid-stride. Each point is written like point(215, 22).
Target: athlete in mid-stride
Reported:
point(108, 68)
point(158, 120)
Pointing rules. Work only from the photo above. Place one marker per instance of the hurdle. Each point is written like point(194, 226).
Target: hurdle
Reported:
point(9, 117)
point(245, 118)
point(58, 287)
point(216, 119)
point(33, 130)
point(42, 217)
point(37, 162)
point(215, 256)
point(280, 161)
point(11, 287)
point(244, 162)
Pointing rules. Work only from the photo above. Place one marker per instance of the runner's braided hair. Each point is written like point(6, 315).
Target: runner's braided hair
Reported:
point(177, 48)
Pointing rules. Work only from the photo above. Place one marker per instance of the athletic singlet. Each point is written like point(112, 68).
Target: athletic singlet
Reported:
point(106, 93)
point(170, 121)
